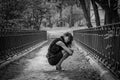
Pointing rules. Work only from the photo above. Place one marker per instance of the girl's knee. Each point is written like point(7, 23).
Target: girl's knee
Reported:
point(65, 52)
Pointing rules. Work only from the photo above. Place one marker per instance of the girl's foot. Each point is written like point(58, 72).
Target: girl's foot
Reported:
point(58, 68)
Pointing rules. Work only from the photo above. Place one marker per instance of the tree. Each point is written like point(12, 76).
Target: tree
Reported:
point(86, 13)
point(27, 12)
point(95, 7)
point(59, 6)
point(11, 9)
point(35, 12)
point(85, 7)
point(66, 3)
point(110, 7)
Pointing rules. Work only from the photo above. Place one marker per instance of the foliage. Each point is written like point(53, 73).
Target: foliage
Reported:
point(26, 13)
point(34, 13)
point(63, 4)
point(11, 9)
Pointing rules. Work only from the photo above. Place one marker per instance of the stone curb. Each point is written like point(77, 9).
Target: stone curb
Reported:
point(23, 53)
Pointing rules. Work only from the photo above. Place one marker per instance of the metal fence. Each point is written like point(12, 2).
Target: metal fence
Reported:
point(103, 43)
point(14, 41)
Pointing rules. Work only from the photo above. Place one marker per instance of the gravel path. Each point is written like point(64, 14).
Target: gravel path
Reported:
point(34, 66)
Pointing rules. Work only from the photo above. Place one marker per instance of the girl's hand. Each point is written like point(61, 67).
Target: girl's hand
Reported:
point(71, 51)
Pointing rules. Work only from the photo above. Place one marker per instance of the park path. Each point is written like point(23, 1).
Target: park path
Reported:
point(34, 66)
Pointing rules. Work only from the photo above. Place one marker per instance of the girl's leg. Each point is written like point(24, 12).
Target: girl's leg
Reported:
point(65, 56)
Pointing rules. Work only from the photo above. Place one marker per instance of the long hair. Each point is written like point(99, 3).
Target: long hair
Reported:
point(70, 37)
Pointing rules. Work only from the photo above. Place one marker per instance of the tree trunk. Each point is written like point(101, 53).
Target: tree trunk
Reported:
point(71, 13)
point(40, 22)
point(115, 16)
point(111, 16)
point(87, 2)
point(87, 17)
point(36, 21)
point(108, 16)
point(61, 13)
point(60, 17)
point(50, 24)
point(97, 18)
point(111, 13)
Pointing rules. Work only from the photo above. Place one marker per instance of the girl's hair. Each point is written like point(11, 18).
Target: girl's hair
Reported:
point(70, 37)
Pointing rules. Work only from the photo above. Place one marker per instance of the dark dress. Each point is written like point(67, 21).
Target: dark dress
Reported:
point(54, 54)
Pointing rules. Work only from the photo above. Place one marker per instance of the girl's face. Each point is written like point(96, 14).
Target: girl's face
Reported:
point(66, 38)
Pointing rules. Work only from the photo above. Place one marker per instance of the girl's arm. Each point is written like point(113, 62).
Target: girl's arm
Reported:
point(60, 43)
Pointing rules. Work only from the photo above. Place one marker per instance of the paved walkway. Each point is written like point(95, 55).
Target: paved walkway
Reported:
point(34, 66)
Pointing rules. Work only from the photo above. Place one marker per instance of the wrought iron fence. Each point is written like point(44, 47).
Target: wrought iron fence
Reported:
point(103, 43)
point(14, 41)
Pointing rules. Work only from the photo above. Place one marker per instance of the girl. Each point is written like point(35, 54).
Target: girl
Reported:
point(59, 50)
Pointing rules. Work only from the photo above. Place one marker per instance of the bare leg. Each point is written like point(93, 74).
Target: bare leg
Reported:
point(65, 56)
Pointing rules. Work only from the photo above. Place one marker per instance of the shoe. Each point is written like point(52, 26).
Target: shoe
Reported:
point(58, 68)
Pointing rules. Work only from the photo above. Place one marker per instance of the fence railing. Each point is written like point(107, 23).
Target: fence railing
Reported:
point(14, 41)
point(103, 43)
